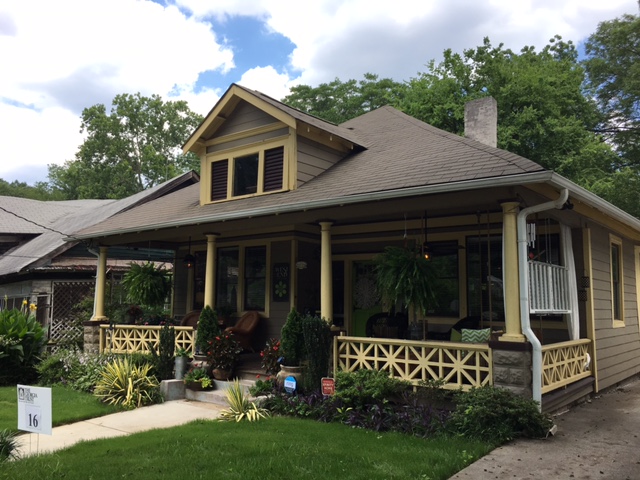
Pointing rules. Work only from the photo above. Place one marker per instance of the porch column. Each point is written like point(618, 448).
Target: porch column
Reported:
point(511, 279)
point(326, 276)
point(210, 271)
point(101, 280)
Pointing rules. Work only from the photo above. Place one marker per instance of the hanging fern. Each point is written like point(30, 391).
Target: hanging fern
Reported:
point(147, 284)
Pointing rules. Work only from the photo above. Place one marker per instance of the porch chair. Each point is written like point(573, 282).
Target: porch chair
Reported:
point(190, 319)
point(244, 328)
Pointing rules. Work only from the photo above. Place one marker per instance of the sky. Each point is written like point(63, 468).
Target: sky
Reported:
point(59, 57)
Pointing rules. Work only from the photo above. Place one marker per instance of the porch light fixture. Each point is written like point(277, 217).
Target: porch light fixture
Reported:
point(189, 260)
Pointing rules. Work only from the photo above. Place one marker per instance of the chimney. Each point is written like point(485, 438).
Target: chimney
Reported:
point(481, 121)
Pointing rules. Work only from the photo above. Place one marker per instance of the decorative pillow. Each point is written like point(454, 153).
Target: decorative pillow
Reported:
point(456, 336)
point(475, 336)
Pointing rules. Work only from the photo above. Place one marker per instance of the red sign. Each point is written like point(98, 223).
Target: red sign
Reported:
point(328, 386)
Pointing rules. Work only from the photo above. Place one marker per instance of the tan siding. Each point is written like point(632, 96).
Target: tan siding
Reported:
point(313, 159)
point(280, 253)
point(245, 117)
point(618, 349)
point(246, 141)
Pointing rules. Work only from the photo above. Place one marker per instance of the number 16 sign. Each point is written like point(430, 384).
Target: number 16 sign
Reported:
point(34, 409)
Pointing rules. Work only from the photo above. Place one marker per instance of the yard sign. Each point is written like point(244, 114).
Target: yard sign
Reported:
point(34, 409)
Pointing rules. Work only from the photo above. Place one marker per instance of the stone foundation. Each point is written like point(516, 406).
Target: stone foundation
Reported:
point(92, 336)
point(512, 363)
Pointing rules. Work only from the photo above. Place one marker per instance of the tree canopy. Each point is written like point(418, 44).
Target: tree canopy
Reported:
point(134, 147)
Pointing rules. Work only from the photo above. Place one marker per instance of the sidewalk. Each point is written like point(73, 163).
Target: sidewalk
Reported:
point(168, 414)
point(595, 440)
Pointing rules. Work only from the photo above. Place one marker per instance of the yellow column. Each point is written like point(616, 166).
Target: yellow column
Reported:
point(511, 279)
point(101, 280)
point(326, 277)
point(210, 271)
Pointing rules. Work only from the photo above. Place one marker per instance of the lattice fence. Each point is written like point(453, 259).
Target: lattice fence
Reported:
point(65, 325)
point(135, 338)
point(565, 363)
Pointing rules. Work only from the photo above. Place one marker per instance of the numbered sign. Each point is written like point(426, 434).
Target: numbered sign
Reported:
point(34, 409)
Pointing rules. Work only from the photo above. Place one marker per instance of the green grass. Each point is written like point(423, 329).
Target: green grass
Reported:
point(67, 406)
point(274, 448)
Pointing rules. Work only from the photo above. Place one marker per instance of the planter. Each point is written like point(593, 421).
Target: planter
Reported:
point(180, 367)
point(289, 371)
point(197, 387)
point(222, 373)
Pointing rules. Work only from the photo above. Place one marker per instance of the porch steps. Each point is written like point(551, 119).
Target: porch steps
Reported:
point(218, 395)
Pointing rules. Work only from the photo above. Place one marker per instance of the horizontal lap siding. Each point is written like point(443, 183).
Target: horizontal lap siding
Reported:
point(278, 311)
point(618, 349)
point(313, 159)
point(244, 117)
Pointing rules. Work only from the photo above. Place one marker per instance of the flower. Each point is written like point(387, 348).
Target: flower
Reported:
point(223, 351)
point(270, 356)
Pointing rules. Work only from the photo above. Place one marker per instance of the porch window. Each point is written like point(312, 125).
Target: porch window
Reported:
point(444, 264)
point(245, 175)
point(616, 281)
point(485, 297)
point(255, 278)
point(227, 278)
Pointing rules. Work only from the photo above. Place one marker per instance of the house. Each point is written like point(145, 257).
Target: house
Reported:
point(41, 261)
point(291, 210)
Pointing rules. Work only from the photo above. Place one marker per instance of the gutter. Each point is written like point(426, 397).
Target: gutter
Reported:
point(525, 322)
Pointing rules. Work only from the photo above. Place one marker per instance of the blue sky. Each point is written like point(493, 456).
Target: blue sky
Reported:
point(60, 57)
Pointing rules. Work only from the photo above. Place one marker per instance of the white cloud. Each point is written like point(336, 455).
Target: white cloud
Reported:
point(59, 57)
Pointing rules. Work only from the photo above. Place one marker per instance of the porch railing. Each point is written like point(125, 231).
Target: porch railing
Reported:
point(134, 338)
point(460, 365)
point(564, 363)
point(548, 288)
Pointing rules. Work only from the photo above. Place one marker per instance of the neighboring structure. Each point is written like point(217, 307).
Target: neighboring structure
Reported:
point(291, 210)
point(41, 262)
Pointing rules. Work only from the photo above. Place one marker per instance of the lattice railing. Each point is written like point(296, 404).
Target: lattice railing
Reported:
point(460, 365)
point(134, 338)
point(564, 363)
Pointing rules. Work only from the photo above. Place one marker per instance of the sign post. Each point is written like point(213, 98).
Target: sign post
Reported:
point(34, 409)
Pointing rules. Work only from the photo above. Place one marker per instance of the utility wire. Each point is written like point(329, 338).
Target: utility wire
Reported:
point(38, 225)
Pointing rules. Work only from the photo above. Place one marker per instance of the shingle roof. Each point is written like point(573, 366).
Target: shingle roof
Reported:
point(402, 153)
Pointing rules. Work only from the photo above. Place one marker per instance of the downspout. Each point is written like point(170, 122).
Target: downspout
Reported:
point(523, 273)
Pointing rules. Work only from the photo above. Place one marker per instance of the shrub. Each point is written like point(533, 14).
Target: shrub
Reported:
point(292, 339)
point(163, 360)
point(127, 385)
point(198, 375)
point(497, 415)
point(240, 408)
point(317, 342)
point(8, 444)
point(71, 367)
point(22, 340)
point(364, 387)
point(263, 387)
point(208, 329)
point(223, 351)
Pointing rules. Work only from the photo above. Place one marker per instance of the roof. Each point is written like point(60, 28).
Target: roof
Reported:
point(58, 220)
point(402, 154)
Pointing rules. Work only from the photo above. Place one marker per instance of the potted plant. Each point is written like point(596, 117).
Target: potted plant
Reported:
point(147, 284)
point(270, 355)
point(293, 349)
point(222, 354)
point(208, 329)
point(183, 357)
point(197, 379)
point(404, 276)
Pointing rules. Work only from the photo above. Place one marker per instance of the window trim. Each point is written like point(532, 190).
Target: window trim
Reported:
point(616, 322)
point(231, 155)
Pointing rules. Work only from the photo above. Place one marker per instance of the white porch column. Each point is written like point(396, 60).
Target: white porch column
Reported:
point(210, 271)
point(101, 281)
point(513, 329)
point(326, 276)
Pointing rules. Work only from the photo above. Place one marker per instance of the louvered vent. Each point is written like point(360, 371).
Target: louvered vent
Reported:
point(273, 169)
point(219, 175)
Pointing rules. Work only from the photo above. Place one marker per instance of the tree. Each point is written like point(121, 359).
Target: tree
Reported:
point(39, 191)
point(339, 101)
point(613, 79)
point(133, 148)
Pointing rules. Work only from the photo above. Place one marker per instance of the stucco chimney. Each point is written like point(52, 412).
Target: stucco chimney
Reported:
point(481, 121)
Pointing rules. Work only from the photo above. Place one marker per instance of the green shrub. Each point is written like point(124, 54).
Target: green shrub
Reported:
point(163, 360)
point(73, 368)
point(363, 387)
point(292, 339)
point(8, 444)
point(22, 340)
point(208, 329)
point(497, 415)
point(317, 342)
point(128, 385)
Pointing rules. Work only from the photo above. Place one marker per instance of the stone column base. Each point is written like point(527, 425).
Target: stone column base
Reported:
point(92, 336)
point(512, 363)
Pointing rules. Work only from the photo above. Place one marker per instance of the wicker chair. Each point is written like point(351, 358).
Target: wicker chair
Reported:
point(244, 328)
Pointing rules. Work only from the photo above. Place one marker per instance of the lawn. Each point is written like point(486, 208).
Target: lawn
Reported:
point(67, 406)
point(274, 448)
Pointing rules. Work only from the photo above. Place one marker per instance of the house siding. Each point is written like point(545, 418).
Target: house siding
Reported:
point(280, 132)
point(278, 311)
point(618, 349)
point(313, 159)
point(245, 117)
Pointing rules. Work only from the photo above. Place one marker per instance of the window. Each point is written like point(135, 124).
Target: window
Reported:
point(484, 278)
point(255, 278)
point(444, 264)
point(250, 174)
point(227, 278)
point(616, 281)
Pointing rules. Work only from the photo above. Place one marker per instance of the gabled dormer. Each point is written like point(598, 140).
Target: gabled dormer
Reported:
point(250, 144)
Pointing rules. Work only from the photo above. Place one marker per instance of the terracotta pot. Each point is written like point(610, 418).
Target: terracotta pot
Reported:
point(221, 373)
point(289, 371)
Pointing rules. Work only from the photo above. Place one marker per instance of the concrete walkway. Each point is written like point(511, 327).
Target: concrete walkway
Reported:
point(168, 414)
point(595, 440)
